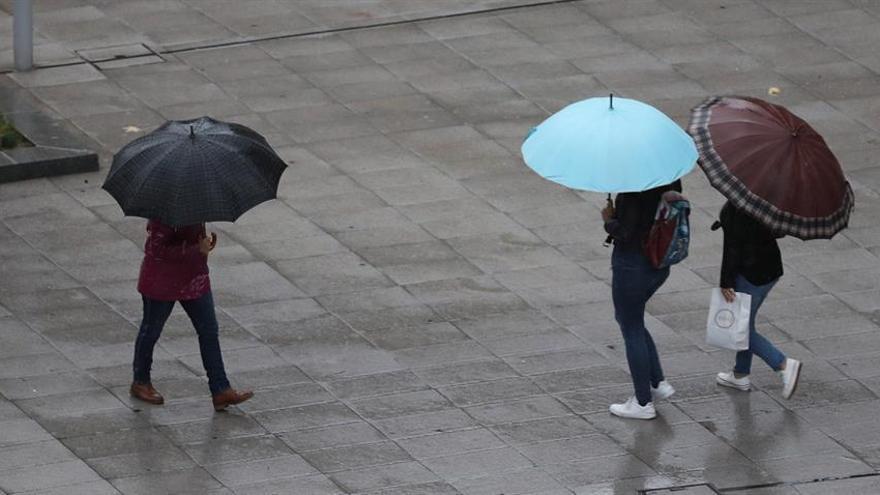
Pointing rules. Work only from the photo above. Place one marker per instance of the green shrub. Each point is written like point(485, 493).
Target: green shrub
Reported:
point(9, 136)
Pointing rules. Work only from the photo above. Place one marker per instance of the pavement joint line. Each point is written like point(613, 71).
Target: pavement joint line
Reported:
point(736, 489)
point(648, 491)
point(757, 486)
point(306, 34)
point(836, 478)
point(151, 53)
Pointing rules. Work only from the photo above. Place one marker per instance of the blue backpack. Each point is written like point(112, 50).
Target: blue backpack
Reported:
point(667, 241)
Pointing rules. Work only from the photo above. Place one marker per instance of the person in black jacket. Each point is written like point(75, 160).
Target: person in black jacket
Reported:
point(634, 281)
point(752, 264)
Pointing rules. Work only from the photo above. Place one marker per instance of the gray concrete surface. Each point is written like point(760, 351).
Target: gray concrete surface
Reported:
point(419, 313)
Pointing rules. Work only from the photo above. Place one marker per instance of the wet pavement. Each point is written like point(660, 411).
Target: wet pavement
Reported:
point(418, 312)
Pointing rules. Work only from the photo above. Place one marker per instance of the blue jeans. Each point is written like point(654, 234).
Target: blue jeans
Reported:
point(633, 282)
point(201, 313)
point(757, 343)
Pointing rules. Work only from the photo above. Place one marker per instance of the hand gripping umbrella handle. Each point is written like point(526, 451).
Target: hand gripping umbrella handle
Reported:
point(608, 239)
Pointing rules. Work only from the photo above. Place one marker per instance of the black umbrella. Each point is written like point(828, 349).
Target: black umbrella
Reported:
point(194, 171)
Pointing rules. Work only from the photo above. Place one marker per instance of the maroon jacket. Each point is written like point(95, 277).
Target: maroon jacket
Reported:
point(173, 269)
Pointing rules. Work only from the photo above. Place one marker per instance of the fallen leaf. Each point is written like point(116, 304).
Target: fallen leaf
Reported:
point(773, 91)
point(131, 129)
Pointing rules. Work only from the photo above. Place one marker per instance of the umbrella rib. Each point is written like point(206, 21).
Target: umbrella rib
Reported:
point(177, 171)
point(752, 151)
point(143, 173)
point(239, 131)
point(202, 166)
point(744, 120)
point(264, 146)
point(256, 139)
point(250, 169)
point(231, 193)
point(741, 137)
point(147, 141)
point(219, 180)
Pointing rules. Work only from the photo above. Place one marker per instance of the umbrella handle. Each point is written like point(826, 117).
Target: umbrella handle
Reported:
point(608, 239)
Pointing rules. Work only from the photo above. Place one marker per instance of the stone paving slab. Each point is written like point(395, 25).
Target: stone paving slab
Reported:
point(417, 312)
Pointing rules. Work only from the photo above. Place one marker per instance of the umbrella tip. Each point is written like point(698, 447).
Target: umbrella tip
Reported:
point(192, 133)
point(610, 101)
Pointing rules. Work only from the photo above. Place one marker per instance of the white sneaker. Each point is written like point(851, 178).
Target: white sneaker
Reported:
point(727, 379)
point(663, 391)
point(632, 409)
point(790, 376)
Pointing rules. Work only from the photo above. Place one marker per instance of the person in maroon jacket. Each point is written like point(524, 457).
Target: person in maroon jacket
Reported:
point(175, 268)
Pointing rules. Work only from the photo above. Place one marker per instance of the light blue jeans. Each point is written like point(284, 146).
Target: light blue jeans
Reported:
point(757, 343)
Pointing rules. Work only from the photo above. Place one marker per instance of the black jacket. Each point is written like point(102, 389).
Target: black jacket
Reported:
point(750, 249)
point(634, 216)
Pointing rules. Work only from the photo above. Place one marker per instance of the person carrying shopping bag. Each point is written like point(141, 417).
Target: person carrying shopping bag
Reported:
point(751, 264)
point(780, 178)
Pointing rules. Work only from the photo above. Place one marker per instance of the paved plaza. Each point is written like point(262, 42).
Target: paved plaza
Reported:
point(419, 313)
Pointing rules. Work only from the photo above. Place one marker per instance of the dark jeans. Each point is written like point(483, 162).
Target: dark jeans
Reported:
point(201, 313)
point(757, 343)
point(633, 282)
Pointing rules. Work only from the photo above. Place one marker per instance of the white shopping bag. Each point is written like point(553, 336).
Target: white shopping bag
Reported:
point(728, 324)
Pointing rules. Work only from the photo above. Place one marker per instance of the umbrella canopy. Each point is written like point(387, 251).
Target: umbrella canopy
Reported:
point(194, 171)
point(773, 165)
point(609, 145)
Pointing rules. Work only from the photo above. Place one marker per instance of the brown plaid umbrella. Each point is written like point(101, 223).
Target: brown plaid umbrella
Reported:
point(771, 164)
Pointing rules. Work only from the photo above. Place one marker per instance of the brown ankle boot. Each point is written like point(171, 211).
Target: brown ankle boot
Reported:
point(146, 393)
point(230, 397)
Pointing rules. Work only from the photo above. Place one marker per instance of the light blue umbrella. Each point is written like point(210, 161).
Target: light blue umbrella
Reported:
point(610, 145)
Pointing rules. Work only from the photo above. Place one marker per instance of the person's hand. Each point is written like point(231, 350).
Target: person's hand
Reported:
point(206, 244)
point(729, 294)
point(608, 212)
